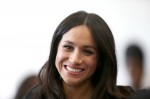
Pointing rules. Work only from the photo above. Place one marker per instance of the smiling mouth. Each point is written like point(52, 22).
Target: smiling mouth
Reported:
point(76, 70)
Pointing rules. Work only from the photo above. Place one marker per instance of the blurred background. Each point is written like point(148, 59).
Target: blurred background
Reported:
point(27, 26)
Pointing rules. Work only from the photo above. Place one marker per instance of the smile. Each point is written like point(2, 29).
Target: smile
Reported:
point(76, 70)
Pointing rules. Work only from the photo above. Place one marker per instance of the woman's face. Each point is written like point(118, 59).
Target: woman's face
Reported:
point(76, 58)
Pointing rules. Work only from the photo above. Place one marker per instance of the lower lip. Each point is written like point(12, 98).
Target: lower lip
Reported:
point(73, 73)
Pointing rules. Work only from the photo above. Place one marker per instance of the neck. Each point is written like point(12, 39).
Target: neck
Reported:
point(79, 91)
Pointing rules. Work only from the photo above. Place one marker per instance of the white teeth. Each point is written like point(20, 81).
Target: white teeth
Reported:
point(73, 69)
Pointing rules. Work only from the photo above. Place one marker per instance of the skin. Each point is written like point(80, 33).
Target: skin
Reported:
point(135, 71)
point(76, 62)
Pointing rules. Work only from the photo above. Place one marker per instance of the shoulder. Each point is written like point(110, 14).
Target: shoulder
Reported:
point(127, 90)
point(33, 92)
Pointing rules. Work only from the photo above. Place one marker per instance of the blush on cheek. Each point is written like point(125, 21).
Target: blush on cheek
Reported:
point(60, 57)
point(92, 63)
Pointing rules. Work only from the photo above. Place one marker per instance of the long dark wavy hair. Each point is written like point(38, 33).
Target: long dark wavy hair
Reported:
point(105, 76)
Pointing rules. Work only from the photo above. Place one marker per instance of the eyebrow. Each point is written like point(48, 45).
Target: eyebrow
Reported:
point(85, 46)
point(69, 42)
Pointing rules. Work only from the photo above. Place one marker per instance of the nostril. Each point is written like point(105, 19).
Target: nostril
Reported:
point(65, 66)
point(75, 60)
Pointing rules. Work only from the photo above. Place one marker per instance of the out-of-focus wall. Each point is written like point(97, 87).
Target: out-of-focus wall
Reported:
point(26, 28)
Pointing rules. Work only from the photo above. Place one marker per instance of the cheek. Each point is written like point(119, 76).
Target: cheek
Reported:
point(92, 63)
point(59, 58)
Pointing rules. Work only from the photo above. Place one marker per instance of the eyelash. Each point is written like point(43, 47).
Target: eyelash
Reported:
point(70, 48)
point(88, 52)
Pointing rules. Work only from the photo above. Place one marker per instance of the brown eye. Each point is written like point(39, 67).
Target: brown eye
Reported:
point(88, 52)
point(68, 47)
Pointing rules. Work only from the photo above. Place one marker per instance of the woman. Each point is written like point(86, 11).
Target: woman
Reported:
point(82, 62)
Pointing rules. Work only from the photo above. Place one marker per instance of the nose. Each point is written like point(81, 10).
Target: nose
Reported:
point(75, 58)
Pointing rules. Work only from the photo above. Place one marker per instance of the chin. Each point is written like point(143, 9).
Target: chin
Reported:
point(71, 83)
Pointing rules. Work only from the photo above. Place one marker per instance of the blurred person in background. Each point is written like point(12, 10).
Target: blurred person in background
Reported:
point(26, 84)
point(135, 64)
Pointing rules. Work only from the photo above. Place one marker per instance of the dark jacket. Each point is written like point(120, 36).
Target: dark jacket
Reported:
point(35, 91)
point(141, 94)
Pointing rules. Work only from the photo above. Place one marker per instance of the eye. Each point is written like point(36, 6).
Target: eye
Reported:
point(68, 47)
point(88, 52)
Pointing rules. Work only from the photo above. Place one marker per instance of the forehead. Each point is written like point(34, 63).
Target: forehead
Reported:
point(79, 34)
